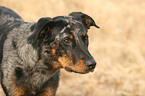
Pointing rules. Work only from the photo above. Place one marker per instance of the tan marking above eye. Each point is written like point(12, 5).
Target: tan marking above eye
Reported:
point(71, 37)
point(84, 34)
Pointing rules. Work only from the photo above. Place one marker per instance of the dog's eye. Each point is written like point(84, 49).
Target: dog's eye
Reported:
point(67, 40)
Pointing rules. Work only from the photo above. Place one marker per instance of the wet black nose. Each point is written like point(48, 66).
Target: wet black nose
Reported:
point(91, 64)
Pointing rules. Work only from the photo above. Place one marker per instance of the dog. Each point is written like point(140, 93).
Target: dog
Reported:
point(32, 54)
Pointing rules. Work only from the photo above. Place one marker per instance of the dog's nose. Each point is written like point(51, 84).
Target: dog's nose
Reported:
point(91, 64)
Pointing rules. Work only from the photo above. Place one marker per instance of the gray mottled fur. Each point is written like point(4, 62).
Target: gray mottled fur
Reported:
point(18, 53)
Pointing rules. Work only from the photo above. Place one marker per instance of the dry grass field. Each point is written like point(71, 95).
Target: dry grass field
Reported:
point(118, 46)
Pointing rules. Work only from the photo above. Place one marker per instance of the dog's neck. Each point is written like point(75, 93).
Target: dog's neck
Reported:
point(35, 66)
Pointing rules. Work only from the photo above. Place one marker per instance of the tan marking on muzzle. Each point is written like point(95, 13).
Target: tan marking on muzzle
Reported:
point(50, 91)
point(79, 67)
point(56, 66)
point(17, 90)
point(64, 60)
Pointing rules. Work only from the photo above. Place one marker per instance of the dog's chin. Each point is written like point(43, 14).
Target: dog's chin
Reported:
point(70, 70)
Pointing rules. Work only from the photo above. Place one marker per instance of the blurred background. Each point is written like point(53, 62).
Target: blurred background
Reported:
point(118, 46)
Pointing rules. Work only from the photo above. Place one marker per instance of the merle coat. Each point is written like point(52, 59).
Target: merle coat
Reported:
point(31, 54)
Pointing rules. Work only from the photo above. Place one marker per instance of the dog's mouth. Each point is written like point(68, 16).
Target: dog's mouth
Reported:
point(70, 70)
point(79, 67)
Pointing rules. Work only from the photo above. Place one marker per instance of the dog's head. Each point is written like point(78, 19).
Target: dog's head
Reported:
point(63, 40)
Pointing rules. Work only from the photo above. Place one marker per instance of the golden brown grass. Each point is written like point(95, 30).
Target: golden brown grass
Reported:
point(118, 46)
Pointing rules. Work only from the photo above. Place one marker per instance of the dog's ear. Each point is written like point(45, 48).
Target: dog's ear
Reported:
point(42, 31)
point(38, 31)
point(85, 19)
